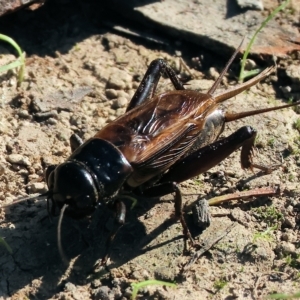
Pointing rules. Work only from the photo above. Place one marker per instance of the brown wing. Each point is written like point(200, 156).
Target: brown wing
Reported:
point(153, 136)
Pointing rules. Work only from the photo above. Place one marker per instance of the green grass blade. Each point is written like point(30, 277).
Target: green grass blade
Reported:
point(139, 285)
point(12, 42)
point(22, 68)
point(263, 24)
point(19, 63)
point(13, 65)
point(284, 296)
point(2, 241)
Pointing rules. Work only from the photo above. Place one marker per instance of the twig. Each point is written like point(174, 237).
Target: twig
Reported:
point(206, 246)
point(265, 191)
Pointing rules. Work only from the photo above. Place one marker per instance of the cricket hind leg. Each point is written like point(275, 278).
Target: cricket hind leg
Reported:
point(200, 161)
point(209, 156)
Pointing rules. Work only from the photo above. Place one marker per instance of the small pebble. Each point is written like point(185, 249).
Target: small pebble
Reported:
point(135, 85)
point(51, 121)
point(37, 187)
point(285, 248)
point(123, 94)
point(178, 53)
point(16, 167)
point(47, 114)
point(289, 209)
point(70, 287)
point(18, 159)
point(165, 274)
point(235, 293)
point(36, 283)
point(286, 90)
point(289, 222)
point(250, 64)
point(119, 103)
point(251, 4)
point(128, 292)
point(137, 275)
point(201, 214)
point(96, 283)
point(12, 82)
point(293, 71)
point(102, 293)
point(23, 172)
point(2, 169)
point(260, 254)
point(24, 114)
point(101, 121)
point(119, 80)
point(289, 236)
point(117, 293)
point(213, 73)
point(111, 93)
point(111, 118)
point(119, 112)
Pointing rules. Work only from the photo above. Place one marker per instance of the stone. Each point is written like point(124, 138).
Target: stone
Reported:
point(18, 159)
point(252, 4)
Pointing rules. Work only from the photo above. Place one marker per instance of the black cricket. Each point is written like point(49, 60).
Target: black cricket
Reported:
point(159, 142)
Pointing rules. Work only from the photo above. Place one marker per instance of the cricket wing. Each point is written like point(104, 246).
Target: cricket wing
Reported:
point(154, 135)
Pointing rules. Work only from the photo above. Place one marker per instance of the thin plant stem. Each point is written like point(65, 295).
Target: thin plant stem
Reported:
point(19, 63)
point(139, 285)
point(243, 73)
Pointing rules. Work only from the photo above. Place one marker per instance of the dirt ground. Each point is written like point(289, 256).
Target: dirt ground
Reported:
point(80, 76)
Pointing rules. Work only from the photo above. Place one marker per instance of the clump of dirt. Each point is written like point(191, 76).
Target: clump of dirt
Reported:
point(82, 83)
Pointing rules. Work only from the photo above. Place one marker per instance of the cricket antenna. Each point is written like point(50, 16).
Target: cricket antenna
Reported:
point(27, 199)
point(60, 248)
point(218, 81)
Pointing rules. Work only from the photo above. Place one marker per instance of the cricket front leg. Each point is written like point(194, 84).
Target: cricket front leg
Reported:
point(149, 83)
point(166, 188)
point(75, 142)
point(119, 209)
